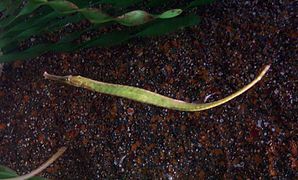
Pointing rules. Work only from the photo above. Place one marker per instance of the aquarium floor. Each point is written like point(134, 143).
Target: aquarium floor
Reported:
point(254, 135)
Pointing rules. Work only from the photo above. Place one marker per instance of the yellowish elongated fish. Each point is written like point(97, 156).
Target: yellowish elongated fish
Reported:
point(145, 96)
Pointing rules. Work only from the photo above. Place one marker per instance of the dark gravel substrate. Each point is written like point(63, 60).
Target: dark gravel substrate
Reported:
point(253, 136)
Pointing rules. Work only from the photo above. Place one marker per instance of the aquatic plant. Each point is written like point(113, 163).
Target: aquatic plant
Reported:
point(20, 22)
point(145, 96)
point(9, 174)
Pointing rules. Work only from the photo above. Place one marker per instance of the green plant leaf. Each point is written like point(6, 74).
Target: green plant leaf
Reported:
point(8, 49)
point(57, 25)
point(134, 18)
point(170, 14)
point(4, 42)
point(83, 4)
point(169, 25)
point(108, 39)
point(6, 21)
point(4, 175)
point(3, 5)
point(31, 6)
point(2, 8)
point(45, 20)
point(138, 17)
point(95, 16)
point(145, 96)
point(10, 7)
point(7, 173)
point(63, 6)
point(105, 40)
point(27, 54)
point(64, 45)
point(7, 170)
point(25, 34)
point(36, 30)
point(42, 21)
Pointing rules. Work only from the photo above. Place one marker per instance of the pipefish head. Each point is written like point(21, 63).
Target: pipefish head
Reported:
point(61, 79)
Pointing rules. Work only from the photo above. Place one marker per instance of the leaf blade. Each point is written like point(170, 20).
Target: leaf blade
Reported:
point(169, 25)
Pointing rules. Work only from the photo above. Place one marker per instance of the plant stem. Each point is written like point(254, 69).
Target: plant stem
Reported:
point(42, 167)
